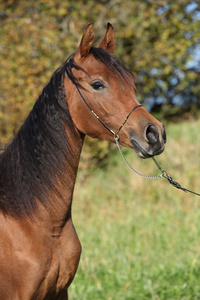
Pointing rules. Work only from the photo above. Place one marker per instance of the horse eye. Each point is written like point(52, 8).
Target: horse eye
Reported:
point(98, 85)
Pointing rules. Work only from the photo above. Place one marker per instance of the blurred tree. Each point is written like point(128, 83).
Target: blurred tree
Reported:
point(160, 40)
point(157, 40)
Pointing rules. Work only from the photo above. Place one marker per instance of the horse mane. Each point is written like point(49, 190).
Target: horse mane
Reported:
point(41, 152)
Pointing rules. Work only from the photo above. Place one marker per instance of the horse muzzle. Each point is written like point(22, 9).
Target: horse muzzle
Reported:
point(151, 143)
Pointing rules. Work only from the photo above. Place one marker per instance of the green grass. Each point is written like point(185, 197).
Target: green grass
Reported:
point(141, 238)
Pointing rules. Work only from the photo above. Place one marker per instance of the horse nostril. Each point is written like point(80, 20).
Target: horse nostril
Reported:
point(152, 134)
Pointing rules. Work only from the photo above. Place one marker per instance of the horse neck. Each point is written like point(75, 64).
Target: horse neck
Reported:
point(41, 164)
point(61, 161)
point(61, 193)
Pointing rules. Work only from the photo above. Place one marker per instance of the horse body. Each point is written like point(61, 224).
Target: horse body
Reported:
point(39, 247)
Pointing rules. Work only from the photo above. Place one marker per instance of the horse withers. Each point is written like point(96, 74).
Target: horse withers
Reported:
point(92, 93)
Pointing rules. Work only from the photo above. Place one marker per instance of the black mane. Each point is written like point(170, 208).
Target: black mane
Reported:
point(41, 150)
point(38, 152)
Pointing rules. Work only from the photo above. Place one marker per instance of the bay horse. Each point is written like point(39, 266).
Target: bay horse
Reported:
point(90, 93)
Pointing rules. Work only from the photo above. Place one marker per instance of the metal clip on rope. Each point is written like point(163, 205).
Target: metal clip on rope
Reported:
point(173, 182)
point(168, 177)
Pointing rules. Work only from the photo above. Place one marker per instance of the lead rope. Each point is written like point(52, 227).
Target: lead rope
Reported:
point(171, 180)
point(163, 174)
point(133, 170)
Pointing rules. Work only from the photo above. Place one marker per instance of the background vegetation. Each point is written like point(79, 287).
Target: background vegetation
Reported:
point(141, 239)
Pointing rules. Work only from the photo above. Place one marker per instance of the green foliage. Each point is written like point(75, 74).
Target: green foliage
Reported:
point(155, 39)
point(141, 238)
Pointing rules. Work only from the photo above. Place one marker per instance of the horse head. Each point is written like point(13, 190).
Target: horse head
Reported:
point(107, 89)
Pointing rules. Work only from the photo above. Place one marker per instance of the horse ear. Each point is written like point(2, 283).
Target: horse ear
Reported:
point(108, 41)
point(86, 42)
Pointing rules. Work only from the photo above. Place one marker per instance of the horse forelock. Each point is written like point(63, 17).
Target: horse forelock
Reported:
point(114, 65)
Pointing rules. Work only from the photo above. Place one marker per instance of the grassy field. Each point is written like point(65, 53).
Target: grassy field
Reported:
point(141, 238)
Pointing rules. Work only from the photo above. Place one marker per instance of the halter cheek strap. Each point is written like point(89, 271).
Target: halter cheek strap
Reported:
point(116, 135)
